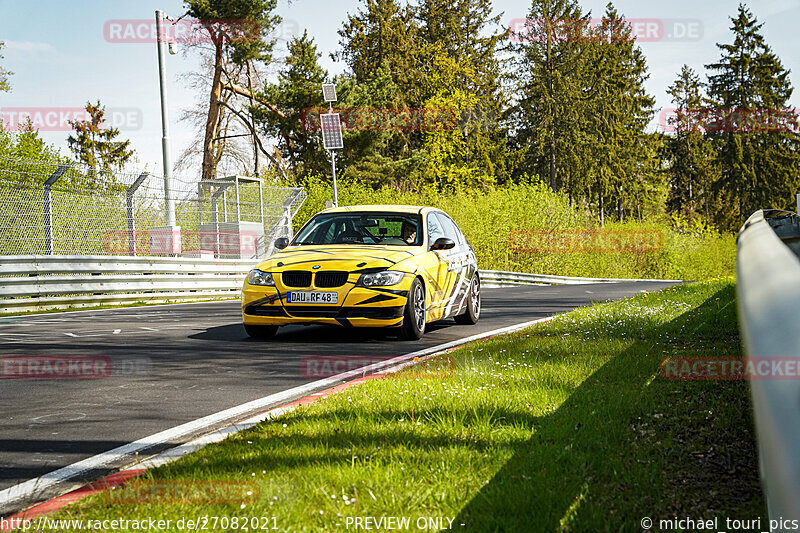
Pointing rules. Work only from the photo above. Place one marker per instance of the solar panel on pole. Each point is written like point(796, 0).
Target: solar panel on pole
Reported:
point(331, 131)
point(329, 92)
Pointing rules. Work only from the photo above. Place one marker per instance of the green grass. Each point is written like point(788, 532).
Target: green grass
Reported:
point(564, 426)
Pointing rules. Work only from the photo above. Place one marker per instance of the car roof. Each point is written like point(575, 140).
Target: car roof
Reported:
point(382, 208)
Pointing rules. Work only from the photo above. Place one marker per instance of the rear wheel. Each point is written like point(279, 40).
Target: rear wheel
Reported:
point(261, 332)
point(473, 312)
point(414, 316)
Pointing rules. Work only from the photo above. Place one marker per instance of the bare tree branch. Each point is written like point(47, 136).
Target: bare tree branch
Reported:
point(255, 136)
point(241, 91)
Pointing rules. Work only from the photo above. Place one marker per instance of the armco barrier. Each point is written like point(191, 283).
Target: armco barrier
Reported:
point(498, 278)
point(33, 283)
point(768, 293)
point(36, 283)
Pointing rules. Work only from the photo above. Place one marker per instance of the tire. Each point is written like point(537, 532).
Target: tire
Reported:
point(414, 315)
point(473, 312)
point(261, 332)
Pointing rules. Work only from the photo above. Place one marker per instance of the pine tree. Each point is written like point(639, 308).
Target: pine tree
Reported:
point(622, 169)
point(94, 144)
point(298, 95)
point(760, 167)
point(690, 157)
point(382, 33)
point(551, 105)
point(237, 30)
point(464, 30)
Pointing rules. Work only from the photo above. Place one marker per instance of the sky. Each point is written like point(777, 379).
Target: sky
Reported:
point(64, 53)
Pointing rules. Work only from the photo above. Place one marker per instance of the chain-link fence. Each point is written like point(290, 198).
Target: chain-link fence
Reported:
point(70, 209)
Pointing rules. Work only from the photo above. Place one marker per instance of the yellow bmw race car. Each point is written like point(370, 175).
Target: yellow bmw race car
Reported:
point(389, 266)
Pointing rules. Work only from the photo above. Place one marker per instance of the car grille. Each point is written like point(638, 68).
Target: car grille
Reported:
point(335, 278)
point(296, 278)
point(313, 311)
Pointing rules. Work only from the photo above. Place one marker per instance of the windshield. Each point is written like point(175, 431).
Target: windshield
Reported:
point(395, 229)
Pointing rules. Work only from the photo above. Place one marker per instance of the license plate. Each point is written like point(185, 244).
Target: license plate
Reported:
point(312, 297)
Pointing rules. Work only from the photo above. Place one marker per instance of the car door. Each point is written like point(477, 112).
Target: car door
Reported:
point(435, 266)
point(457, 277)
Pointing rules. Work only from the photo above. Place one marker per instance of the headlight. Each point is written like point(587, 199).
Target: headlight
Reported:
point(259, 277)
point(381, 279)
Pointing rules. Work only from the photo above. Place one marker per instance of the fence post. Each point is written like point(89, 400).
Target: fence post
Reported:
point(214, 215)
point(48, 207)
point(129, 205)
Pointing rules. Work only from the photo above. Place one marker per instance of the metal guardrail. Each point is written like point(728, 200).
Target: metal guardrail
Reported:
point(768, 294)
point(36, 283)
point(499, 278)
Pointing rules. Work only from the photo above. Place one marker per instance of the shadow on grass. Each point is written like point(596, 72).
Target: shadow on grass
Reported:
point(625, 446)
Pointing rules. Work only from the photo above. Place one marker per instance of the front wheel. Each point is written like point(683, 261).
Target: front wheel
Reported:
point(473, 312)
point(414, 315)
point(261, 332)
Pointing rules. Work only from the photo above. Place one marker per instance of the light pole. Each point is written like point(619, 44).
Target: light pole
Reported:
point(169, 201)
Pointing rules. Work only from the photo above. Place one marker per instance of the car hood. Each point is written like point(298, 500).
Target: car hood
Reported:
point(338, 257)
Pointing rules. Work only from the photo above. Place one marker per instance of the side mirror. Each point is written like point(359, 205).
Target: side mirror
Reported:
point(281, 243)
point(443, 243)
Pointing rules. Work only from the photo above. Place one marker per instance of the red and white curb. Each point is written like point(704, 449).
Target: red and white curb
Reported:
point(133, 458)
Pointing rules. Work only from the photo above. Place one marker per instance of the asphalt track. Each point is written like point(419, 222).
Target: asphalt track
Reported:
point(166, 365)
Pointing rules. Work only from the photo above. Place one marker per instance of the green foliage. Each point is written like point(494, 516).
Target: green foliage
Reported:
point(692, 168)
point(94, 145)
point(382, 33)
point(238, 24)
point(492, 217)
point(406, 60)
point(582, 110)
point(551, 110)
point(5, 86)
point(297, 93)
point(622, 160)
point(26, 144)
point(760, 169)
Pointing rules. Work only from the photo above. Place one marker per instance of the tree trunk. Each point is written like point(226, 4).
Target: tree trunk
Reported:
point(602, 211)
point(553, 164)
point(212, 121)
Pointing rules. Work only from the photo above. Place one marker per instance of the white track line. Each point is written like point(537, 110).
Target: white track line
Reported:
point(29, 491)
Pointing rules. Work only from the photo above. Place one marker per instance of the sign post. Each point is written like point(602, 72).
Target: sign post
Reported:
point(331, 127)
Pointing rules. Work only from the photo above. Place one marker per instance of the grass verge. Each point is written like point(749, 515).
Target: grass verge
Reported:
point(72, 309)
point(565, 426)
